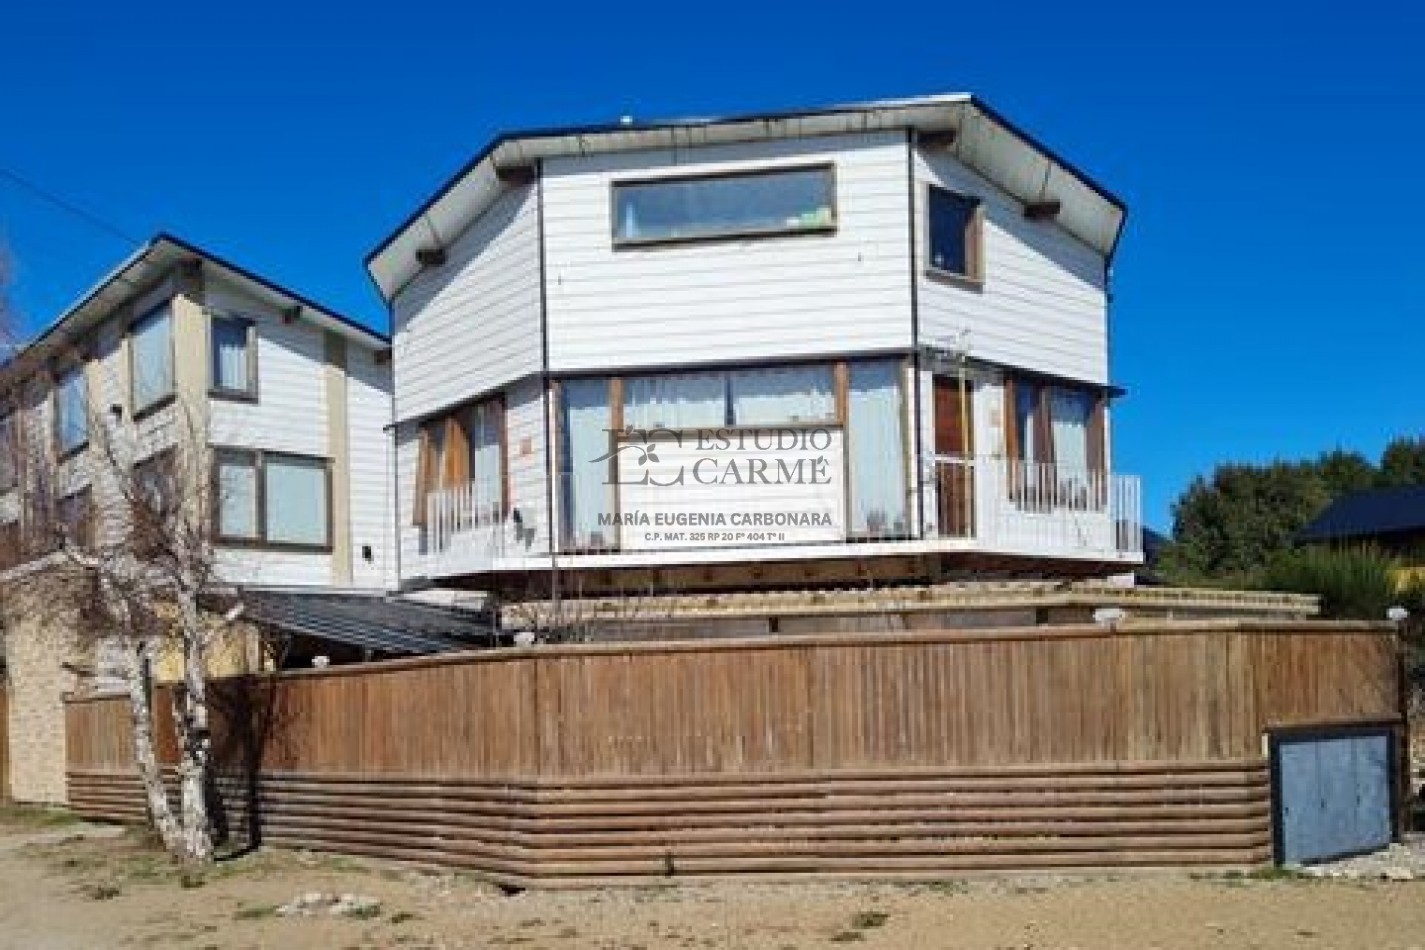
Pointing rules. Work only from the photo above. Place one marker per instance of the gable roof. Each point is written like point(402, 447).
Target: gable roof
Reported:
point(1369, 514)
point(1006, 155)
point(140, 270)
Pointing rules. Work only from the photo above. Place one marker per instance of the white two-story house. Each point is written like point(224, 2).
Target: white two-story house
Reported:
point(289, 399)
point(863, 342)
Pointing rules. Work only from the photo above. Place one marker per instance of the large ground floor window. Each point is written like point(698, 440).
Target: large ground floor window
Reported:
point(608, 426)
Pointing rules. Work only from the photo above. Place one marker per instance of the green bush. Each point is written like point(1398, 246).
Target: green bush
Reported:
point(1353, 583)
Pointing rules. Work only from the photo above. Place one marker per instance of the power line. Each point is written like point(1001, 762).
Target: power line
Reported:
point(90, 218)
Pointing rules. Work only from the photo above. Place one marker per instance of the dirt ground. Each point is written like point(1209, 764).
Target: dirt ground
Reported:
point(110, 889)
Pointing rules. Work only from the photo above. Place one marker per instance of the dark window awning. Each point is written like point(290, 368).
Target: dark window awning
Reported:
point(371, 621)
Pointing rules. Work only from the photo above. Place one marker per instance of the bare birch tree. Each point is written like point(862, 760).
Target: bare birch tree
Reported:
point(120, 536)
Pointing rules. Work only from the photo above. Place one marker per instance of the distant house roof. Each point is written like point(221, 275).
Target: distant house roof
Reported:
point(1369, 514)
point(984, 140)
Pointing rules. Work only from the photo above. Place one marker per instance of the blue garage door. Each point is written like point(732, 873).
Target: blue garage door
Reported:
point(1333, 794)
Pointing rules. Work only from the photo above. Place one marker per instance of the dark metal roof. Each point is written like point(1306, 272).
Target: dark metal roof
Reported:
point(1369, 514)
point(371, 621)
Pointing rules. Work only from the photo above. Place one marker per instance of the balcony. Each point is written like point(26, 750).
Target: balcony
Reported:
point(973, 504)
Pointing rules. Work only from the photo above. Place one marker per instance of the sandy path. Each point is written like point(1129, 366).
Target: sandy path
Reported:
point(112, 893)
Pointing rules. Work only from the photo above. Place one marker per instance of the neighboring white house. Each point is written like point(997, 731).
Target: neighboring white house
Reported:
point(291, 399)
point(859, 341)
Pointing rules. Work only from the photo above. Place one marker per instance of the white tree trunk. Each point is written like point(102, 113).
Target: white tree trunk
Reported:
point(160, 815)
point(194, 738)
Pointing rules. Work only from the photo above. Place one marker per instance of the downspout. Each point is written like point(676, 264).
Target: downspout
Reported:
point(919, 467)
point(549, 473)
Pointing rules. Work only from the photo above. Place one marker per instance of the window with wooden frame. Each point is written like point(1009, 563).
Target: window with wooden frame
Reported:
point(11, 544)
point(232, 357)
point(151, 360)
point(9, 449)
point(74, 517)
point(954, 234)
point(1055, 440)
point(725, 205)
point(465, 448)
point(71, 411)
point(154, 497)
point(273, 500)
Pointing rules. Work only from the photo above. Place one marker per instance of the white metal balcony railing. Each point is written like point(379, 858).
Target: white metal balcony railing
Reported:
point(999, 505)
point(1031, 507)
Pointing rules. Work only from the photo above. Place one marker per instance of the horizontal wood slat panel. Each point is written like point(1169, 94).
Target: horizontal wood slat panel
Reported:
point(904, 755)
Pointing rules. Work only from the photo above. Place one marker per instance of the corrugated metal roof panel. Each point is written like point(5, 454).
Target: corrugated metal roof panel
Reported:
point(371, 621)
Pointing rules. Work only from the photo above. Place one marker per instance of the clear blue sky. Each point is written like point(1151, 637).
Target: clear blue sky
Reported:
point(1269, 297)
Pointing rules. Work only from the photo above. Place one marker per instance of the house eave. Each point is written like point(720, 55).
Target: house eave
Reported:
point(994, 147)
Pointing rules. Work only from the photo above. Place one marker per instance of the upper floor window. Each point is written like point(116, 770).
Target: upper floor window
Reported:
point(954, 231)
point(71, 411)
point(151, 359)
point(9, 452)
point(233, 341)
point(741, 204)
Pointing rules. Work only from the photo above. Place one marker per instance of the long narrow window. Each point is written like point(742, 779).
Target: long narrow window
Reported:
point(9, 452)
point(236, 488)
point(71, 411)
point(775, 201)
point(233, 361)
point(74, 514)
point(876, 447)
point(585, 465)
point(151, 359)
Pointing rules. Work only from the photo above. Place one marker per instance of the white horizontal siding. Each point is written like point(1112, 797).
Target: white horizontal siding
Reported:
point(273, 568)
point(472, 325)
point(797, 295)
point(368, 411)
point(1043, 304)
point(409, 535)
point(290, 414)
point(525, 432)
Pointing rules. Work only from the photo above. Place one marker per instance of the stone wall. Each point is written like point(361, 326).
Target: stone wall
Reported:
point(38, 647)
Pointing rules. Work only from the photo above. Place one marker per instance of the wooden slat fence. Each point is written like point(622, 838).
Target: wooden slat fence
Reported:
point(888, 754)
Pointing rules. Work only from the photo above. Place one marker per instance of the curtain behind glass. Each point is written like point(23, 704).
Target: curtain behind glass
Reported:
point(296, 497)
point(153, 358)
point(485, 469)
point(587, 492)
point(237, 497)
point(1026, 417)
point(782, 396)
point(875, 445)
point(230, 356)
point(692, 401)
point(1070, 412)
